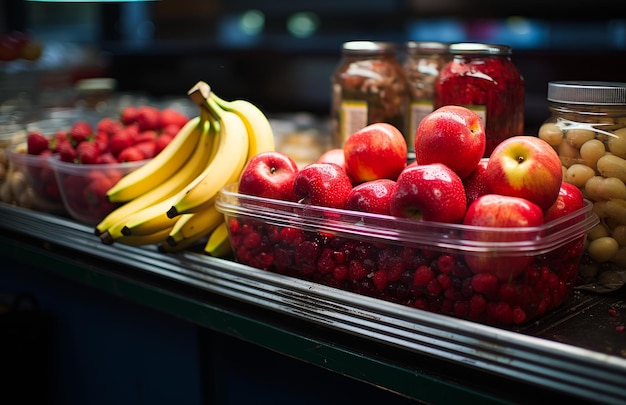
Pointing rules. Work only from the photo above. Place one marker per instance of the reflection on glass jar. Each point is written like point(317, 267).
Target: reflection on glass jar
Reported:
point(368, 86)
point(483, 78)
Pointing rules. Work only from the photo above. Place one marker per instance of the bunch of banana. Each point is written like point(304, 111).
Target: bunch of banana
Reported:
point(170, 200)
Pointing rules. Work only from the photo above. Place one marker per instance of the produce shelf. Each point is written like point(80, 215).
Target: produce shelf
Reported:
point(575, 353)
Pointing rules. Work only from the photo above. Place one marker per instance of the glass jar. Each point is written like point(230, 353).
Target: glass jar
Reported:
point(483, 78)
point(587, 128)
point(422, 64)
point(368, 86)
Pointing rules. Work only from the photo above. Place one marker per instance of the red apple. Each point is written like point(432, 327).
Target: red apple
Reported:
point(372, 196)
point(527, 167)
point(570, 199)
point(269, 174)
point(323, 184)
point(476, 183)
point(377, 151)
point(431, 192)
point(499, 211)
point(452, 135)
point(336, 156)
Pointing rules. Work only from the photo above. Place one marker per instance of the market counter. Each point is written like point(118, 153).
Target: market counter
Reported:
point(576, 353)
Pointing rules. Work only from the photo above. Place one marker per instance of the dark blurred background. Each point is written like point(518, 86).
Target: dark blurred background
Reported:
point(281, 54)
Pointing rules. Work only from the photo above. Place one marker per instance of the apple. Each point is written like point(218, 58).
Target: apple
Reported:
point(323, 184)
point(373, 196)
point(431, 192)
point(527, 167)
point(570, 199)
point(452, 135)
point(269, 174)
point(476, 183)
point(500, 211)
point(336, 156)
point(377, 151)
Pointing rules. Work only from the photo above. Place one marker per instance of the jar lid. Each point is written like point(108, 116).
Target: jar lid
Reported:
point(368, 47)
point(587, 92)
point(426, 47)
point(468, 48)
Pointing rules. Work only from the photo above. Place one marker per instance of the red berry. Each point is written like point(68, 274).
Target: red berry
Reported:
point(67, 153)
point(120, 141)
point(130, 154)
point(79, 132)
point(148, 118)
point(172, 117)
point(87, 153)
point(129, 115)
point(36, 143)
point(162, 141)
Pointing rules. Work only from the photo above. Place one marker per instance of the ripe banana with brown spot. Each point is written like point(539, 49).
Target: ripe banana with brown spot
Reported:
point(191, 168)
point(224, 168)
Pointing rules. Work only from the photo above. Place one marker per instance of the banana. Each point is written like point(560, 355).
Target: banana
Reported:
point(194, 225)
point(225, 167)
point(218, 244)
point(257, 124)
point(190, 169)
point(142, 240)
point(150, 219)
point(160, 167)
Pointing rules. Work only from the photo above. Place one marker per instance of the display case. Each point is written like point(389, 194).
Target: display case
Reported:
point(575, 353)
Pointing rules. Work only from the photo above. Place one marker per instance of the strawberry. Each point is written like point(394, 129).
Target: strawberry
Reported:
point(87, 153)
point(108, 125)
point(67, 153)
point(147, 148)
point(170, 129)
point(120, 141)
point(161, 142)
point(36, 143)
point(106, 158)
point(58, 138)
point(129, 115)
point(95, 192)
point(170, 116)
point(148, 117)
point(148, 135)
point(130, 154)
point(79, 132)
point(101, 139)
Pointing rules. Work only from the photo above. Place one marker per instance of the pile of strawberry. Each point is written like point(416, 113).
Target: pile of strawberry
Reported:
point(139, 133)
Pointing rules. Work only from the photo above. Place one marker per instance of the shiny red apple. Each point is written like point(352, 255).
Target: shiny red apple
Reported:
point(452, 135)
point(499, 211)
point(527, 167)
point(269, 174)
point(323, 184)
point(476, 184)
point(377, 151)
point(336, 156)
point(570, 199)
point(372, 196)
point(431, 192)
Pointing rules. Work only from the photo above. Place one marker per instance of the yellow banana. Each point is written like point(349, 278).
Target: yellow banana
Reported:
point(191, 168)
point(160, 167)
point(224, 168)
point(150, 219)
point(194, 225)
point(218, 244)
point(257, 124)
point(142, 240)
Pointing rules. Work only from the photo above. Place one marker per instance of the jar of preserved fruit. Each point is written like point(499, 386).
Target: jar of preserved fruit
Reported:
point(483, 78)
point(422, 64)
point(368, 86)
point(587, 127)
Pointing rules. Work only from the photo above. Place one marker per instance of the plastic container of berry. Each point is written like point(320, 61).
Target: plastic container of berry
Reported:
point(420, 264)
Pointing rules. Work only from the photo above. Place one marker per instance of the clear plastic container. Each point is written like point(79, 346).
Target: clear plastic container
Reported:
point(368, 86)
point(422, 64)
point(483, 78)
point(587, 127)
point(419, 264)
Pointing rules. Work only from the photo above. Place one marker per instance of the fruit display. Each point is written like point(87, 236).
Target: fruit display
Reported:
point(505, 258)
point(169, 201)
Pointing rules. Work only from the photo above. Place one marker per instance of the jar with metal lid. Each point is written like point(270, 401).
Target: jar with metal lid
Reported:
point(368, 86)
point(483, 78)
point(422, 64)
point(587, 128)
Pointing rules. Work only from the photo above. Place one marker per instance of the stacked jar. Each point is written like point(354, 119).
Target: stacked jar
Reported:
point(422, 64)
point(587, 127)
point(483, 78)
point(368, 86)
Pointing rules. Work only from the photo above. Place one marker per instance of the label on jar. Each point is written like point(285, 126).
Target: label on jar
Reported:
point(418, 109)
point(353, 117)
